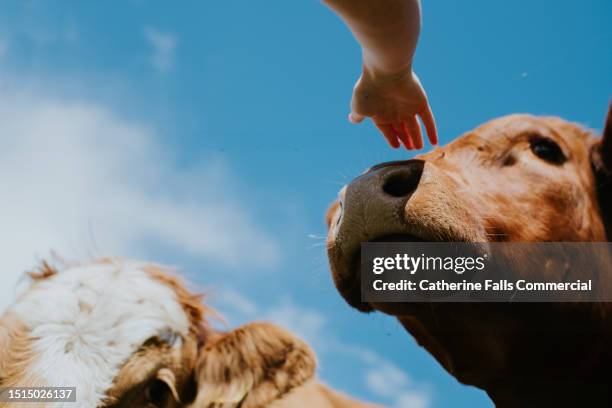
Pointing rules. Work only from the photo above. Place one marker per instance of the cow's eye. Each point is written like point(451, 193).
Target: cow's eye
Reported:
point(547, 149)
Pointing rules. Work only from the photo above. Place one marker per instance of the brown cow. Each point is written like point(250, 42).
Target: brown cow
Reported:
point(129, 334)
point(519, 178)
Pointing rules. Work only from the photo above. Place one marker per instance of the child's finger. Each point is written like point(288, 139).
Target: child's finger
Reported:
point(413, 127)
point(402, 134)
point(430, 124)
point(410, 143)
point(387, 131)
point(355, 117)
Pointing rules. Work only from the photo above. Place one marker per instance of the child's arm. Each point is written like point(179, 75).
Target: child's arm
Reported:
point(388, 91)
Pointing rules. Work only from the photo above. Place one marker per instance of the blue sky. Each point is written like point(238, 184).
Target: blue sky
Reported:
point(212, 136)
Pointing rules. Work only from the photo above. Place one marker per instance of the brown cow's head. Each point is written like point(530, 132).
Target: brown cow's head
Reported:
point(519, 178)
point(129, 334)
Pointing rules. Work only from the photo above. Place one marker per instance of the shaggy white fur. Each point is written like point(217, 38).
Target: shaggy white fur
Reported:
point(86, 321)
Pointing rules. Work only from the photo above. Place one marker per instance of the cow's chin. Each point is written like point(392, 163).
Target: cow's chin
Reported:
point(347, 275)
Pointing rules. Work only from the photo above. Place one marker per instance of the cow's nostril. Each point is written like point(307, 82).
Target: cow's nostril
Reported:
point(401, 184)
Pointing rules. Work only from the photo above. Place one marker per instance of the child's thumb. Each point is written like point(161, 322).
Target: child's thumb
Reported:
point(355, 117)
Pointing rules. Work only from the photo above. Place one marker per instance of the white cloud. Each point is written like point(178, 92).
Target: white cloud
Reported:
point(309, 324)
point(414, 399)
point(164, 46)
point(236, 302)
point(386, 380)
point(77, 179)
point(33, 32)
point(389, 381)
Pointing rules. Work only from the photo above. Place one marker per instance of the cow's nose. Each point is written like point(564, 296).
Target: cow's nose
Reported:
point(377, 199)
point(401, 178)
point(390, 182)
point(398, 179)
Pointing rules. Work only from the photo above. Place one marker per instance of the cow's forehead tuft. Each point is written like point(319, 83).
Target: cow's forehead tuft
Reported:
point(86, 321)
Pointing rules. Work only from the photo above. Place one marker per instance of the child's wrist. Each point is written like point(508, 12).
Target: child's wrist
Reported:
point(387, 71)
point(384, 75)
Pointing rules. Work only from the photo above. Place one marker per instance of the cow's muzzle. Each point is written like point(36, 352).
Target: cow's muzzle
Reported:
point(371, 208)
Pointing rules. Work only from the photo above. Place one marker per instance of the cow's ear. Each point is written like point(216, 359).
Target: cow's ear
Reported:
point(252, 366)
point(601, 159)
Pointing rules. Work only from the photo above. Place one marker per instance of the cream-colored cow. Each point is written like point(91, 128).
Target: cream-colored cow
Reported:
point(129, 334)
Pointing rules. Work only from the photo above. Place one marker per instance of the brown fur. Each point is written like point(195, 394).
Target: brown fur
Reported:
point(488, 186)
point(191, 303)
point(317, 395)
point(16, 354)
point(255, 365)
point(44, 271)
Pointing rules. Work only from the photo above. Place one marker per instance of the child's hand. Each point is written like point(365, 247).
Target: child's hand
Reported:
point(394, 102)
